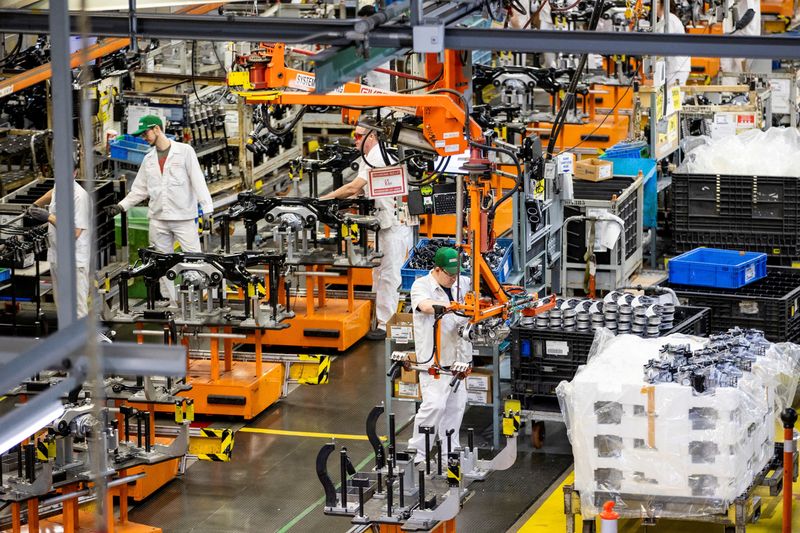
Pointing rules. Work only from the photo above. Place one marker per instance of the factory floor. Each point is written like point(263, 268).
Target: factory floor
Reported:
point(271, 482)
point(549, 517)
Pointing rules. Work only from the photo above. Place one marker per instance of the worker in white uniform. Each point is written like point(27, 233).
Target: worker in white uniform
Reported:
point(83, 231)
point(678, 67)
point(171, 179)
point(442, 407)
point(738, 21)
point(395, 237)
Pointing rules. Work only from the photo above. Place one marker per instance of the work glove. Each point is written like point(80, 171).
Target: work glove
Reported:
point(439, 310)
point(39, 214)
point(114, 210)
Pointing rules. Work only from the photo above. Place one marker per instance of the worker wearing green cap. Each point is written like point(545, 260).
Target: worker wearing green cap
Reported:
point(171, 180)
point(442, 405)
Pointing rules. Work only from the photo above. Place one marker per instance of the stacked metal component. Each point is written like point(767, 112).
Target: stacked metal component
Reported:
point(619, 312)
point(720, 364)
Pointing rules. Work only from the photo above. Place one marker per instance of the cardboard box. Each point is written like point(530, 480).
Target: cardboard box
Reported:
point(480, 379)
point(410, 391)
point(594, 170)
point(407, 385)
point(401, 328)
point(479, 396)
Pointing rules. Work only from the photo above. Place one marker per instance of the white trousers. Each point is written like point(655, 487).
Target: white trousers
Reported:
point(163, 234)
point(442, 409)
point(81, 292)
point(395, 243)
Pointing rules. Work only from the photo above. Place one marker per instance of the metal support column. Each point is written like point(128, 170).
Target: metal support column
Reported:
point(61, 91)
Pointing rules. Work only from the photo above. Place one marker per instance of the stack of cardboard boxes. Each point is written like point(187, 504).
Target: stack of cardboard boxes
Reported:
point(479, 386)
point(400, 329)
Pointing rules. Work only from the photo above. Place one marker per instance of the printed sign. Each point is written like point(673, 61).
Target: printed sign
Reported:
point(387, 182)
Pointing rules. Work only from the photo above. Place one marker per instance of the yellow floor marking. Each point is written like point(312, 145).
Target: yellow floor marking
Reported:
point(340, 436)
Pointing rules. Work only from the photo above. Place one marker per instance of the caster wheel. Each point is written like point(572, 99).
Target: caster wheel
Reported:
point(537, 434)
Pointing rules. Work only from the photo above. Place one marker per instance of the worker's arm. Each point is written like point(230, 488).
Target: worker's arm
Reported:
point(52, 220)
point(421, 299)
point(198, 181)
point(348, 190)
point(138, 193)
point(44, 199)
point(426, 306)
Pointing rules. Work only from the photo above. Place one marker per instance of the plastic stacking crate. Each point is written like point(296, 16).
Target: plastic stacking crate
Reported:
point(711, 267)
point(410, 275)
point(541, 357)
point(769, 304)
point(129, 149)
point(753, 213)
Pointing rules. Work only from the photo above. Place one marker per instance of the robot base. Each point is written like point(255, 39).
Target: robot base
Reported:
point(331, 325)
point(85, 523)
point(239, 391)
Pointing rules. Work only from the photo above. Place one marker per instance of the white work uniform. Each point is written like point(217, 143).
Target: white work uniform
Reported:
point(734, 64)
point(441, 407)
point(173, 198)
point(82, 202)
point(678, 67)
point(395, 241)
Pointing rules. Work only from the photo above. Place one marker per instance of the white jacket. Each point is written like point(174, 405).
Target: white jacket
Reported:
point(453, 348)
point(173, 195)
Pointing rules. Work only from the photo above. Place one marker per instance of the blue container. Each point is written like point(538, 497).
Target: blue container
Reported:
point(5, 274)
point(623, 149)
point(722, 269)
point(410, 275)
point(631, 167)
point(129, 149)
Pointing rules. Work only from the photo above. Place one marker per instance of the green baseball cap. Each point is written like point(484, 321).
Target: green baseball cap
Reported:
point(147, 122)
point(446, 258)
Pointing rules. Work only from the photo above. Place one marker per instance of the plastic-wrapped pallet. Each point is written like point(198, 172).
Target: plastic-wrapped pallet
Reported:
point(669, 426)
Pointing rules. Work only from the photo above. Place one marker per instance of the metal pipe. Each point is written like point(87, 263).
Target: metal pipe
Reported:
point(79, 494)
point(343, 474)
point(789, 418)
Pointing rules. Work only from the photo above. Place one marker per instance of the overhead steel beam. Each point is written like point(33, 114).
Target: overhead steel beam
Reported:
point(640, 44)
point(332, 32)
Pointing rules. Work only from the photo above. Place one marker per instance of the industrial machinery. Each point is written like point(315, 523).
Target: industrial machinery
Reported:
point(395, 495)
point(59, 459)
point(293, 230)
point(215, 383)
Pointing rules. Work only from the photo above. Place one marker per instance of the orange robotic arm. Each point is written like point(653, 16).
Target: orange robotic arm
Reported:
point(268, 77)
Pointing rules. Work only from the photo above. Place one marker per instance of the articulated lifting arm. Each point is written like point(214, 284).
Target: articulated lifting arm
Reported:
point(268, 77)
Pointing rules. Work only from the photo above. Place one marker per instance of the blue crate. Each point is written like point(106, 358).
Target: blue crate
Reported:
point(722, 269)
point(129, 149)
point(410, 275)
point(631, 166)
point(623, 149)
point(5, 273)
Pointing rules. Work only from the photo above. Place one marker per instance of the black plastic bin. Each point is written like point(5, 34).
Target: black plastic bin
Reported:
point(555, 354)
point(769, 304)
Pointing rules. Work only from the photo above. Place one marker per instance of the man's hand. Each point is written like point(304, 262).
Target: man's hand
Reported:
point(439, 310)
point(460, 369)
point(39, 214)
point(114, 210)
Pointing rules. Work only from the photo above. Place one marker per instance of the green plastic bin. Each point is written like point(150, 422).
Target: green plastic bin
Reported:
point(138, 237)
